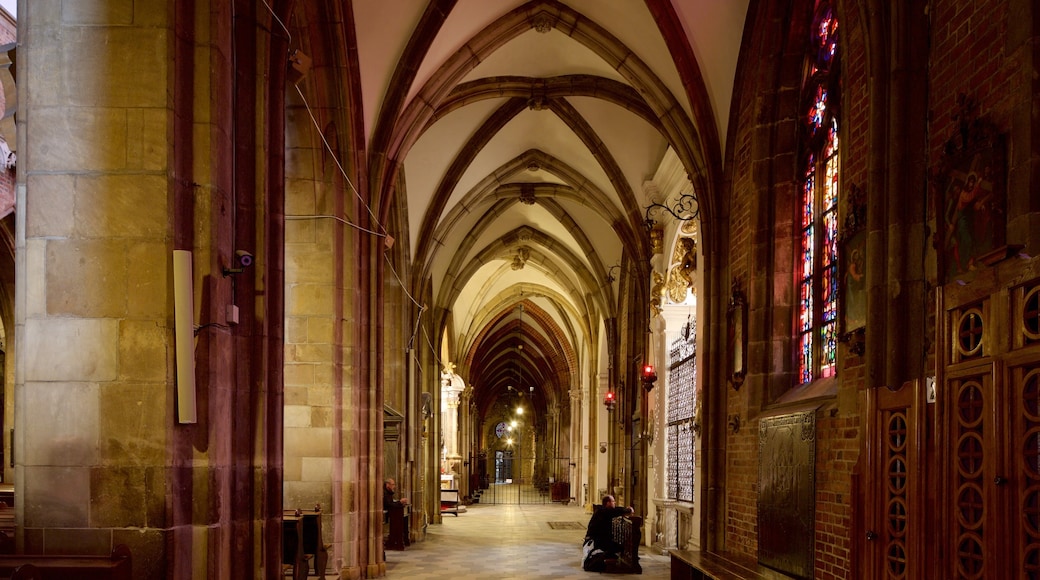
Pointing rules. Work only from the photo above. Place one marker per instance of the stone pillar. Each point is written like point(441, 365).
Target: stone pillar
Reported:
point(578, 442)
point(94, 404)
point(451, 386)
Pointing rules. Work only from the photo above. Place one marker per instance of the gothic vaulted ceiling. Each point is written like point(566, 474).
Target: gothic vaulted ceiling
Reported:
point(525, 133)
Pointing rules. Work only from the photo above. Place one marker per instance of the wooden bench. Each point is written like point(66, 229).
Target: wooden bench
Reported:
point(117, 566)
point(303, 544)
point(701, 565)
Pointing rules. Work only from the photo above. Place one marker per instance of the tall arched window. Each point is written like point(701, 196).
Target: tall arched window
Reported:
point(820, 165)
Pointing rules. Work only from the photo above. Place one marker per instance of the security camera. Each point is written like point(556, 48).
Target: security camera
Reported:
point(244, 258)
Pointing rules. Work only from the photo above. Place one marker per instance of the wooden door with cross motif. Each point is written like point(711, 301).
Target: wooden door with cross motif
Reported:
point(989, 404)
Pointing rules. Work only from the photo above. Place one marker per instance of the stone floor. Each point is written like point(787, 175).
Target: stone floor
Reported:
point(506, 541)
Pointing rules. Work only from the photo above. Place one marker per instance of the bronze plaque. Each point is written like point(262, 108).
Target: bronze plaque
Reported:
point(786, 492)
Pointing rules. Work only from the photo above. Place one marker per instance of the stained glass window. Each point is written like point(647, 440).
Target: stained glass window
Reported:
point(818, 273)
point(682, 404)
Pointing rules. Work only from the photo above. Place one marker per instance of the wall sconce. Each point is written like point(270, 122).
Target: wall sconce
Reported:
point(649, 377)
point(737, 338)
point(573, 464)
point(602, 446)
point(684, 209)
point(734, 423)
point(609, 401)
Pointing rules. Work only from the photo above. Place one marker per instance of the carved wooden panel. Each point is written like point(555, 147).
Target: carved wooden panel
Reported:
point(972, 469)
point(894, 517)
point(1025, 327)
point(1024, 475)
point(968, 325)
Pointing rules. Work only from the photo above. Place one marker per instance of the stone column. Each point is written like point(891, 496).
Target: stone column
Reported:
point(576, 439)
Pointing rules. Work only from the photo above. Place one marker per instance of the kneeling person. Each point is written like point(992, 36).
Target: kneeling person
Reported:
point(599, 538)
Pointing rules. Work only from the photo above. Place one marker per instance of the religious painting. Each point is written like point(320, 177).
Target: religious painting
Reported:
point(855, 283)
point(853, 260)
point(971, 216)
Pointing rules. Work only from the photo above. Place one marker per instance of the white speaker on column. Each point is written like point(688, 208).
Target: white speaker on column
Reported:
point(184, 316)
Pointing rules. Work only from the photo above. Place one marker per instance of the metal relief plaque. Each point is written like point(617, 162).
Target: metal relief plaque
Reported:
point(786, 493)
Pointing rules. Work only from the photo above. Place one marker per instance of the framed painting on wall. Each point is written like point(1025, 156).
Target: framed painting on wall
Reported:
point(971, 197)
point(852, 288)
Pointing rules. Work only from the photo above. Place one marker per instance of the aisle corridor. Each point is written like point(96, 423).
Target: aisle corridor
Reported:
point(506, 541)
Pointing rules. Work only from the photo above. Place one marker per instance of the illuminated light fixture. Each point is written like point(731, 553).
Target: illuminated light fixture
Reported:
point(609, 401)
point(519, 410)
point(649, 376)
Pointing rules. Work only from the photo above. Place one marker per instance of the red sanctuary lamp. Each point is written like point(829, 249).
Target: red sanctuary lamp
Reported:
point(609, 401)
point(649, 376)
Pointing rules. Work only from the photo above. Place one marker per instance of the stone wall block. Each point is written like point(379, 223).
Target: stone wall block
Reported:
point(116, 67)
point(320, 395)
point(316, 442)
point(118, 497)
point(45, 83)
point(309, 267)
point(112, 12)
point(324, 376)
point(60, 498)
point(297, 416)
point(315, 353)
point(132, 421)
point(309, 299)
point(304, 494)
point(147, 142)
point(299, 374)
point(81, 276)
point(90, 542)
point(71, 349)
point(292, 468)
point(321, 329)
point(321, 416)
point(47, 213)
point(299, 193)
point(35, 274)
point(317, 469)
point(77, 139)
point(148, 548)
point(122, 206)
point(149, 281)
point(295, 329)
point(59, 424)
point(143, 348)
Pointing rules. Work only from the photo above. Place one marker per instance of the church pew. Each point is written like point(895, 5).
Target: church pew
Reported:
point(117, 566)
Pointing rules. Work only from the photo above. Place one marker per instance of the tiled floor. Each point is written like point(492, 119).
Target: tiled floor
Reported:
point(506, 541)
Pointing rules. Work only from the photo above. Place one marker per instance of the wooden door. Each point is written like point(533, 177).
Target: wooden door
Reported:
point(990, 401)
point(894, 532)
point(1023, 479)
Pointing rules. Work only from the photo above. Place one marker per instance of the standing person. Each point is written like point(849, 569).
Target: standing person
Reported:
point(599, 538)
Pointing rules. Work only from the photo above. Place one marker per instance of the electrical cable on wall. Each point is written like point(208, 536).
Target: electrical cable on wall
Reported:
point(388, 239)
